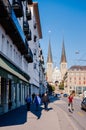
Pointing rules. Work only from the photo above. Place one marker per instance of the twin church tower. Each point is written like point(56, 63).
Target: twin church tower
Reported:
point(50, 69)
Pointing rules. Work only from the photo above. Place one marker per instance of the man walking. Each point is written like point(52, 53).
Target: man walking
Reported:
point(45, 100)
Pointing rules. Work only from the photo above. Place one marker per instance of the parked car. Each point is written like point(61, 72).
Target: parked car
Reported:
point(83, 104)
point(58, 95)
point(65, 95)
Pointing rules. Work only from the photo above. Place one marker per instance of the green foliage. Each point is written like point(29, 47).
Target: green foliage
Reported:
point(51, 88)
point(61, 86)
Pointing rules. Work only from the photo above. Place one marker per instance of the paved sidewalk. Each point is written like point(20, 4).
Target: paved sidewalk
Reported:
point(53, 119)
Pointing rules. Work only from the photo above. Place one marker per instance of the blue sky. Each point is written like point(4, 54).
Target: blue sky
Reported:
point(65, 18)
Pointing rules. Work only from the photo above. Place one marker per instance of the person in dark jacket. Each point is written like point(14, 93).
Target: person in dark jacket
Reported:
point(33, 97)
point(37, 101)
point(28, 101)
point(45, 100)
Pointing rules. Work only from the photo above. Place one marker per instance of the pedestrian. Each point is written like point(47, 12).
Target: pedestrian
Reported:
point(10, 104)
point(33, 97)
point(70, 101)
point(37, 101)
point(45, 100)
point(28, 102)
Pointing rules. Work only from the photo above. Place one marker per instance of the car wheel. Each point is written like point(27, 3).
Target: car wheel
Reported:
point(81, 108)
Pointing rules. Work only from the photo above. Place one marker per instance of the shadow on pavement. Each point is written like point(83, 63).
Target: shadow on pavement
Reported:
point(38, 113)
point(14, 117)
point(19, 116)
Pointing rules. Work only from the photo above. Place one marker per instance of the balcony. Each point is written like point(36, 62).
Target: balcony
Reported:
point(34, 25)
point(35, 51)
point(35, 38)
point(12, 27)
point(23, 0)
point(41, 59)
point(43, 69)
point(29, 2)
point(5, 9)
point(26, 27)
point(29, 56)
point(17, 7)
point(29, 36)
point(28, 13)
point(40, 51)
point(35, 65)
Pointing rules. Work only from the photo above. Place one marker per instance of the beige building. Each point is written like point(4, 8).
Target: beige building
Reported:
point(76, 79)
point(56, 75)
point(49, 65)
point(63, 63)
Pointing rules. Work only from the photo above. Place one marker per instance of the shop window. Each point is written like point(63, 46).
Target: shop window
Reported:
point(79, 82)
point(70, 78)
point(20, 92)
point(84, 82)
point(79, 78)
point(7, 49)
point(11, 51)
point(0, 90)
point(74, 78)
point(34, 65)
point(3, 40)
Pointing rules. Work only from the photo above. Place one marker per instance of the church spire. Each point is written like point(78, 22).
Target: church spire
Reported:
point(49, 58)
point(63, 55)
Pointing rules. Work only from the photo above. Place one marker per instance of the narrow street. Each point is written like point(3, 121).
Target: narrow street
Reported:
point(57, 117)
point(42, 54)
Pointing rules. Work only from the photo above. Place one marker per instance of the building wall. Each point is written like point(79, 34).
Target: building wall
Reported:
point(56, 76)
point(33, 68)
point(76, 80)
point(63, 69)
point(49, 72)
point(15, 69)
point(13, 85)
point(10, 51)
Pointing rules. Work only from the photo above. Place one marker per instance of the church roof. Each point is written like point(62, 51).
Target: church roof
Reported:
point(49, 58)
point(63, 55)
point(78, 67)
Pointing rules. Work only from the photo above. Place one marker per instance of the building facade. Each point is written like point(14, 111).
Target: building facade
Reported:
point(17, 39)
point(53, 73)
point(49, 69)
point(35, 67)
point(63, 62)
point(76, 79)
point(56, 75)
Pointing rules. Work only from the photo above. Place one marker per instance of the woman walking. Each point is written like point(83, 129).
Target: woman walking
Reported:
point(70, 101)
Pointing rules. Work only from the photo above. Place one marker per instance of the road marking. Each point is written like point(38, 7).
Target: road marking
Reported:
point(59, 102)
point(80, 113)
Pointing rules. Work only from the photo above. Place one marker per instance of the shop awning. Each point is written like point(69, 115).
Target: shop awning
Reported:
point(10, 70)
